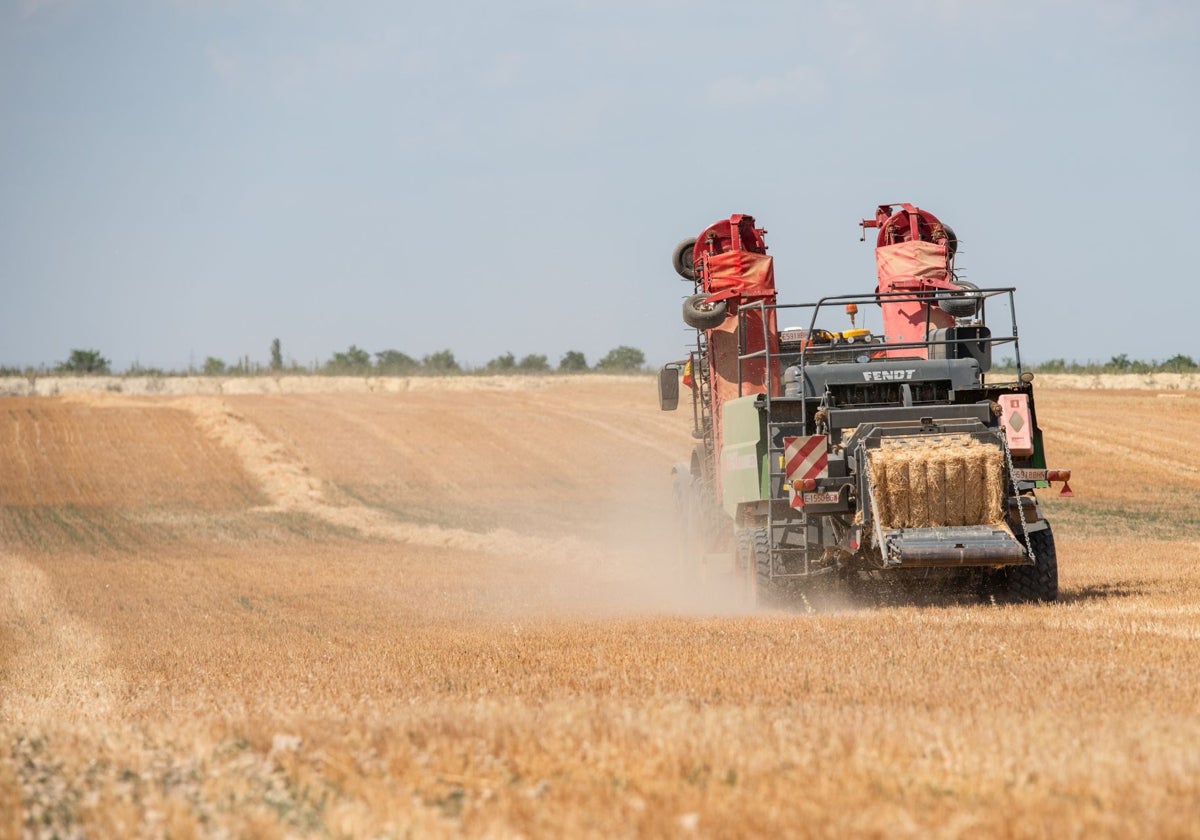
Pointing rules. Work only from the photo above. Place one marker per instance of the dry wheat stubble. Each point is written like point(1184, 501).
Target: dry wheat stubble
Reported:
point(377, 678)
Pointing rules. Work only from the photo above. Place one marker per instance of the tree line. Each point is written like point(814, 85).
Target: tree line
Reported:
point(355, 361)
point(1179, 363)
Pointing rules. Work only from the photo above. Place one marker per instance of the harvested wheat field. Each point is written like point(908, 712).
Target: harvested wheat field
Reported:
point(448, 610)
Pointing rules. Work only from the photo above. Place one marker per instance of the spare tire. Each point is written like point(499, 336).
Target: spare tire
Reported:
point(962, 304)
point(951, 241)
point(700, 315)
point(682, 259)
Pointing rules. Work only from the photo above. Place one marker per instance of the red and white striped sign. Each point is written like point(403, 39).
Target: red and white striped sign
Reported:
point(804, 457)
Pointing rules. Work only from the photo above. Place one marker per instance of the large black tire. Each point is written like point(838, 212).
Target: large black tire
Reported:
point(703, 316)
point(768, 591)
point(951, 241)
point(743, 566)
point(682, 259)
point(1037, 583)
point(960, 304)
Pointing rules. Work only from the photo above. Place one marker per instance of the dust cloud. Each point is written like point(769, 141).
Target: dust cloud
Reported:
point(616, 553)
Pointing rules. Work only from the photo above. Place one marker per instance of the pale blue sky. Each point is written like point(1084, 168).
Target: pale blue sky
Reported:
point(195, 178)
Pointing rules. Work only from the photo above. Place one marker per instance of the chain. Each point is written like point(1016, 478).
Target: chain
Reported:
point(876, 528)
point(1012, 475)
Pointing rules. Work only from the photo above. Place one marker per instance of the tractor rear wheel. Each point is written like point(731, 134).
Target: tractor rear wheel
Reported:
point(768, 591)
point(1039, 582)
point(743, 566)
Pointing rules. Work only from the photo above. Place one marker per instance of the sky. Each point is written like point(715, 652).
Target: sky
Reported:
point(184, 179)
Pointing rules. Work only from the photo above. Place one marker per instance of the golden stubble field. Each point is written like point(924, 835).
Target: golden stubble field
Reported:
point(450, 611)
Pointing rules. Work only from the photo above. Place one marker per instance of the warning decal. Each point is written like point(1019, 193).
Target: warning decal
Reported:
point(803, 458)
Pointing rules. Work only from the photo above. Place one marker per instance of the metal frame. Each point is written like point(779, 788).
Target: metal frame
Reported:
point(773, 373)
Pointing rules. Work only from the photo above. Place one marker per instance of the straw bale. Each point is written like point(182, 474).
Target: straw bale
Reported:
point(938, 480)
point(918, 490)
point(992, 483)
point(993, 510)
point(976, 479)
point(900, 471)
point(935, 467)
point(880, 480)
point(956, 492)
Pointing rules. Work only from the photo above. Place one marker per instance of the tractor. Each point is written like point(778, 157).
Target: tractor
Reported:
point(826, 451)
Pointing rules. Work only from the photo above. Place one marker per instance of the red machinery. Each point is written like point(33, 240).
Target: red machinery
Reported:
point(731, 268)
point(872, 457)
point(914, 257)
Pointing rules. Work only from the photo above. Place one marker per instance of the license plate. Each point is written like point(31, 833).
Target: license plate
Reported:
point(830, 498)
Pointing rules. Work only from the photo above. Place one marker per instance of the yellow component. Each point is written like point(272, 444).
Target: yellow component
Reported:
point(780, 462)
point(852, 334)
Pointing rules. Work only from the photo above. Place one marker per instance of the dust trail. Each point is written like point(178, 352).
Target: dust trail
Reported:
point(633, 569)
point(287, 482)
point(55, 673)
point(633, 566)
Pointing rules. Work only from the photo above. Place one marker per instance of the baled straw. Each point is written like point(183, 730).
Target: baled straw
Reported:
point(938, 480)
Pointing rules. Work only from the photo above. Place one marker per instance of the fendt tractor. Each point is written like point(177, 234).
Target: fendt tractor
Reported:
point(829, 450)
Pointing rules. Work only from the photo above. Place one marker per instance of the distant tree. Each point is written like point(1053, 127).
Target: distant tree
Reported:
point(1053, 366)
point(244, 367)
point(622, 358)
point(354, 361)
point(1120, 362)
point(533, 363)
point(85, 362)
point(1180, 362)
point(393, 362)
point(572, 361)
point(214, 366)
point(440, 362)
point(276, 355)
point(501, 364)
